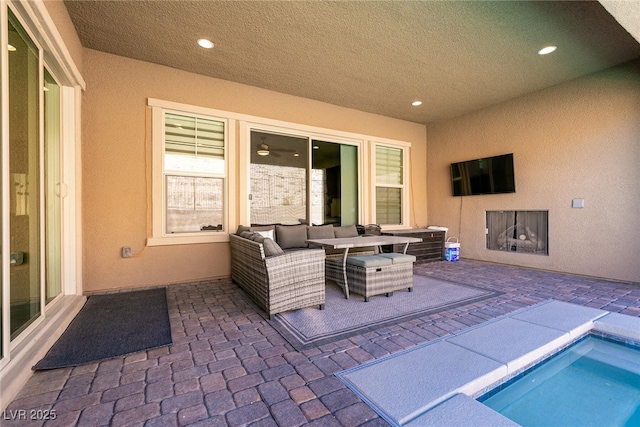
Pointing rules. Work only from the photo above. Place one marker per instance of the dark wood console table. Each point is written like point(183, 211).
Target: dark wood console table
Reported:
point(430, 249)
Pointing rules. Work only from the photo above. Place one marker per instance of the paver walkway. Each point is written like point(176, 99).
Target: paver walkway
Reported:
point(228, 366)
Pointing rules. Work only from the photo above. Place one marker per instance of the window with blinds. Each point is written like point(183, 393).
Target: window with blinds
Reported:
point(194, 173)
point(389, 185)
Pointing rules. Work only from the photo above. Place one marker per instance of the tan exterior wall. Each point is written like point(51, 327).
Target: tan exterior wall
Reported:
point(113, 163)
point(576, 140)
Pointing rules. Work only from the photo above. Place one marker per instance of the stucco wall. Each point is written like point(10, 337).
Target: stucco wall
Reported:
point(576, 140)
point(113, 163)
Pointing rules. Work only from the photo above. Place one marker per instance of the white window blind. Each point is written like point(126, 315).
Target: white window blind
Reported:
point(193, 144)
point(194, 168)
point(389, 185)
point(388, 166)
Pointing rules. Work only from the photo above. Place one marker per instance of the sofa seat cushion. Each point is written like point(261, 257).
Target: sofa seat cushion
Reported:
point(368, 261)
point(397, 258)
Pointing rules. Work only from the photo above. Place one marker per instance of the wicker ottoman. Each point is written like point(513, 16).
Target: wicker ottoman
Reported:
point(380, 274)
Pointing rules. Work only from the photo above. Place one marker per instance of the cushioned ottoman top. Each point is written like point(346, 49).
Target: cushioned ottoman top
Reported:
point(397, 258)
point(369, 261)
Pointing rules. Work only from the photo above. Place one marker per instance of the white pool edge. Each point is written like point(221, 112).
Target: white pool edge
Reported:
point(552, 324)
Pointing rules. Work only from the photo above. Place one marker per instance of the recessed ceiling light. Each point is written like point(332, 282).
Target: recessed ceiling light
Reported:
point(207, 44)
point(11, 48)
point(547, 50)
point(416, 103)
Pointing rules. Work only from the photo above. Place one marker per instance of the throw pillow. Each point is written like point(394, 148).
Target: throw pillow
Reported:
point(292, 236)
point(256, 237)
point(241, 229)
point(271, 248)
point(246, 234)
point(346, 231)
point(267, 234)
point(320, 232)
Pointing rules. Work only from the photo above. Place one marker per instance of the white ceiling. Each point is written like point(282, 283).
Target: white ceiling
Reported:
point(455, 56)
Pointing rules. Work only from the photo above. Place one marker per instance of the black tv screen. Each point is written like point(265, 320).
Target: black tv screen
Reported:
point(491, 175)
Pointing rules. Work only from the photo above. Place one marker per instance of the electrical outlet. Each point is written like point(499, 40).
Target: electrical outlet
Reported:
point(126, 251)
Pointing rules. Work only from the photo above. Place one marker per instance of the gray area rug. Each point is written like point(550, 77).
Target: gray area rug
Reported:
point(343, 317)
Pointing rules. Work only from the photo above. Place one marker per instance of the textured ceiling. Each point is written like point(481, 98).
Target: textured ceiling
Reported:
point(378, 57)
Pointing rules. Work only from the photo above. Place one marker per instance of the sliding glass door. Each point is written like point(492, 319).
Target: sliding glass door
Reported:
point(279, 176)
point(24, 172)
point(34, 217)
point(298, 179)
point(40, 94)
point(334, 192)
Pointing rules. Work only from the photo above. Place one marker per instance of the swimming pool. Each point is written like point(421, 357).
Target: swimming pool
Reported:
point(593, 382)
point(438, 382)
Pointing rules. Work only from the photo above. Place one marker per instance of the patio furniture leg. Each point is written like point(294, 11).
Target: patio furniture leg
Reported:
point(344, 273)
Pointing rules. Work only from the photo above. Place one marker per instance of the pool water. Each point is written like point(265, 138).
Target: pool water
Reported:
point(595, 382)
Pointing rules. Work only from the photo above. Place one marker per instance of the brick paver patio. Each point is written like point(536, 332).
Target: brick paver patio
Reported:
point(228, 367)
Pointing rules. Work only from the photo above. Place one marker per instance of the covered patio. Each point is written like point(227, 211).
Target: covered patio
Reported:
point(228, 366)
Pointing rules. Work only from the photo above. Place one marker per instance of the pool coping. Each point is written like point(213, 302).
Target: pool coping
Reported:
point(459, 367)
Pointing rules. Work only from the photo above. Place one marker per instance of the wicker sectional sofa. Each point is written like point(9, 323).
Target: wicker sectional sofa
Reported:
point(277, 268)
point(280, 282)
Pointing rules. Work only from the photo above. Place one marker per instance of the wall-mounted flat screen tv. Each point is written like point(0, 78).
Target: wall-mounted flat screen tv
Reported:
point(491, 175)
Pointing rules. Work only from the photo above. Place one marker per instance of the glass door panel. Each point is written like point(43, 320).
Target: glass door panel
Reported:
point(334, 191)
point(24, 215)
point(53, 164)
point(278, 175)
point(2, 194)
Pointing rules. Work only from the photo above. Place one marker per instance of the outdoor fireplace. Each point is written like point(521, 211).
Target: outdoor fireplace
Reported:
point(518, 231)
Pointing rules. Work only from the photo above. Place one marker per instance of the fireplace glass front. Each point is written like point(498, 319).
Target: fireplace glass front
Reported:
point(518, 231)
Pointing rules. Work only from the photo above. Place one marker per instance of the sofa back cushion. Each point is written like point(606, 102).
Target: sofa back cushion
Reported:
point(320, 232)
point(291, 236)
point(346, 231)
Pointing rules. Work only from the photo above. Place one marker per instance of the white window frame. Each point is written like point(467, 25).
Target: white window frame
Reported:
point(405, 186)
point(238, 160)
point(159, 236)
